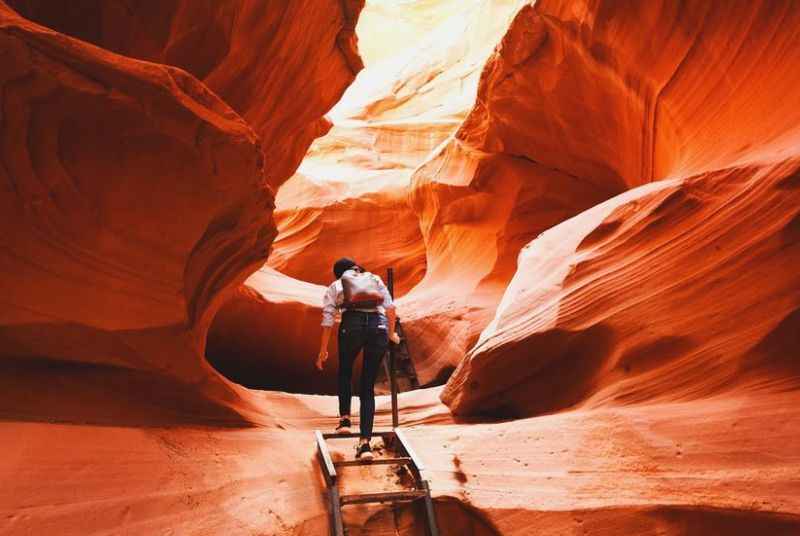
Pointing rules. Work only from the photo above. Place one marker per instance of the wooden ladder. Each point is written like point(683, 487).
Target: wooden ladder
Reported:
point(408, 458)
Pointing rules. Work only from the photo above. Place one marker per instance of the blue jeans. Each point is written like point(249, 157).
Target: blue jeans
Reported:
point(361, 331)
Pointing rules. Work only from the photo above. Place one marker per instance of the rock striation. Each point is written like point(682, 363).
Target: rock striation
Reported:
point(99, 153)
point(648, 297)
point(635, 297)
point(350, 196)
point(225, 44)
point(136, 192)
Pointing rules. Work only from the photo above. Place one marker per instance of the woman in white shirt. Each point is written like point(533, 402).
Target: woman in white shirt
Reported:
point(369, 328)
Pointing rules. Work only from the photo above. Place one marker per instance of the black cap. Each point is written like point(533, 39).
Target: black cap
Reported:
point(342, 265)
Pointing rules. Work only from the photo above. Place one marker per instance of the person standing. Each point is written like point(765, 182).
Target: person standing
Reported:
point(368, 324)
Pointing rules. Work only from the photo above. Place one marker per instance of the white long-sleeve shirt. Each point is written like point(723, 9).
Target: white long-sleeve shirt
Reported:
point(334, 299)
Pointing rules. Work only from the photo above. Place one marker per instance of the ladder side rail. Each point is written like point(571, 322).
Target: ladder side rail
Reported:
point(416, 467)
point(336, 512)
point(328, 469)
point(393, 383)
point(392, 363)
point(433, 528)
point(351, 435)
point(401, 436)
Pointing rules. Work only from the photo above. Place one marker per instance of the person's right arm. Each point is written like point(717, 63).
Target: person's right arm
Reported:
point(328, 314)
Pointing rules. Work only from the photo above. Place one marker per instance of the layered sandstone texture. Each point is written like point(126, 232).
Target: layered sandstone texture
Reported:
point(681, 288)
point(350, 196)
point(580, 102)
point(253, 55)
point(136, 199)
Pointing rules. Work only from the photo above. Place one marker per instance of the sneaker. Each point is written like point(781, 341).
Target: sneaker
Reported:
point(364, 451)
point(344, 426)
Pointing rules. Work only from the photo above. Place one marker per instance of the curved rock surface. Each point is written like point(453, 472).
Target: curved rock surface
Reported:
point(136, 192)
point(366, 218)
point(310, 46)
point(350, 194)
point(681, 252)
point(649, 296)
point(580, 102)
point(99, 153)
point(349, 197)
point(667, 468)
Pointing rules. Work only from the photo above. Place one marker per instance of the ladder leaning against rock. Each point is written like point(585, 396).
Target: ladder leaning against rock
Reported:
point(398, 373)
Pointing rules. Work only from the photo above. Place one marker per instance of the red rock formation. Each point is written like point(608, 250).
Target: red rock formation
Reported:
point(349, 197)
point(117, 241)
point(476, 212)
point(576, 105)
point(388, 122)
point(89, 131)
point(225, 45)
point(667, 468)
point(645, 287)
point(365, 218)
point(722, 466)
point(647, 297)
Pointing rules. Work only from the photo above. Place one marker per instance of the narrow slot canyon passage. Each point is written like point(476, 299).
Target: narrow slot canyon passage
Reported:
point(590, 207)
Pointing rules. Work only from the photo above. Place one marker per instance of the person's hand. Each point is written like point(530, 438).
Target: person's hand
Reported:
point(321, 358)
point(394, 337)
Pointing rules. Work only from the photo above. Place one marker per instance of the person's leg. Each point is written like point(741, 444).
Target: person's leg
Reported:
point(375, 347)
point(350, 343)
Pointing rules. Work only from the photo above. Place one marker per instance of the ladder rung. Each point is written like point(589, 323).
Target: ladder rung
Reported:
point(389, 496)
point(375, 461)
point(334, 435)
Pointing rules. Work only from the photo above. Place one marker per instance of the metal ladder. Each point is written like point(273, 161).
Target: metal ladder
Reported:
point(408, 458)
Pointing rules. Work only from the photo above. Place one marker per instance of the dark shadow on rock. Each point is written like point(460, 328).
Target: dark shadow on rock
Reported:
point(46, 390)
point(453, 518)
point(553, 370)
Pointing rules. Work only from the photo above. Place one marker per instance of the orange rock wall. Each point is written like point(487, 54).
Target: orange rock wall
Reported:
point(136, 198)
point(610, 93)
point(651, 296)
point(681, 254)
point(99, 151)
point(225, 45)
point(349, 197)
point(352, 193)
